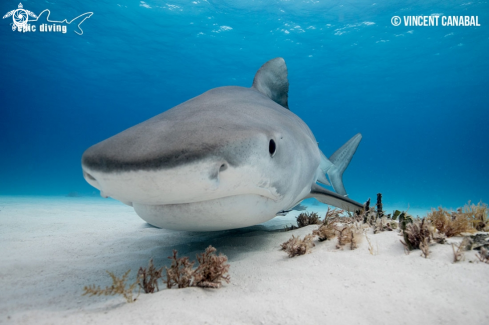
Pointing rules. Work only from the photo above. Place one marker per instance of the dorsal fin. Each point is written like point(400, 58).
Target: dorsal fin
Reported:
point(271, 80)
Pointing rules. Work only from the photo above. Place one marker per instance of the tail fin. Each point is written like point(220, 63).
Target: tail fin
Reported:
point(340, 160)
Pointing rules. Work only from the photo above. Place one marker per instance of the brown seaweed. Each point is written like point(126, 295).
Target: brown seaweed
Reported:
point(325, 231)
point(478, 215)
point(350, 234)
point(371, 248)
point(458, 254)
point(419, 234)
point(384, 224)
point(148, 278)
point(180, 272)
point(212, 269)
point(210, 273)
point(483, 255)
point(327, 228)
point(306, 219)
point(118, 287)
point(451, 223)
point(296, 246)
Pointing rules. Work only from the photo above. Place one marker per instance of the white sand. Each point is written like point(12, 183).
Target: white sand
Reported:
point(51, 248)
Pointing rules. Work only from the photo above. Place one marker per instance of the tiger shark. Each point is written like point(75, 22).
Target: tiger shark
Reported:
point(231, 157)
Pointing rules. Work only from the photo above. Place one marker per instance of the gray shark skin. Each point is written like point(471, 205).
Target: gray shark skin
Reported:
point(229, 158)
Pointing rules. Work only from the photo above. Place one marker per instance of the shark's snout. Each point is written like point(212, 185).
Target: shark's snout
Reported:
point(167, 161)
point(204, 150)
point(200, 176)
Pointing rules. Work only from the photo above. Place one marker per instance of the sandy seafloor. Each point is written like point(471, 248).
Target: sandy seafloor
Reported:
point(52, 247)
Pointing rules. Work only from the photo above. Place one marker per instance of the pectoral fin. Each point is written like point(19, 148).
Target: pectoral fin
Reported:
point(328, 197)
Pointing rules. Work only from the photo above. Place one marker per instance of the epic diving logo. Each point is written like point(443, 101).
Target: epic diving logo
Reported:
point(21, 21)
point(20, 17)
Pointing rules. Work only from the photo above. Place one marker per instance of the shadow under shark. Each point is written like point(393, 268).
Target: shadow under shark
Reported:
point(229, 158)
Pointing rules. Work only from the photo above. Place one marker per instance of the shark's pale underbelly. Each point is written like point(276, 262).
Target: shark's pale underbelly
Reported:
point(219, 214)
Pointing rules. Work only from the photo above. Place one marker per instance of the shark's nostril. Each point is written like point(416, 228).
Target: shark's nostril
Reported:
point(214, 175)
point(90, 176)
point(223, 167)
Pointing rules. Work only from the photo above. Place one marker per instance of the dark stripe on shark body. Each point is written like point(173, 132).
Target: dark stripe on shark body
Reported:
point(169, 160)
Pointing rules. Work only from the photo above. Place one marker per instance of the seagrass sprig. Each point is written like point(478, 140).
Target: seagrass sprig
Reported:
point(118, 287)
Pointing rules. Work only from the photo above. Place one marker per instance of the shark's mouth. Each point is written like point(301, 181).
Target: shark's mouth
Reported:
point(187, 199)
point(269, 197)
point(145, 188)
point(234, 211)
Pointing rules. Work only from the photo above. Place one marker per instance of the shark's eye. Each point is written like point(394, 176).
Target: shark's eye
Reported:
point(272, 147)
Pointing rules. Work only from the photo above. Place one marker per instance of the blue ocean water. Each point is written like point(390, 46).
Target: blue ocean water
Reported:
point(418, 94)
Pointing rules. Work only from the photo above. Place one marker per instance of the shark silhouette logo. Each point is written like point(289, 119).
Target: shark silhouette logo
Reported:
point(42, 24)
point(20, 17)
